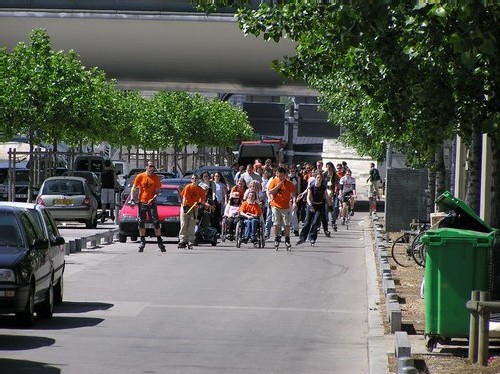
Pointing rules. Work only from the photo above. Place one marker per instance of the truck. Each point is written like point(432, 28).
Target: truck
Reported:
point(250, 150)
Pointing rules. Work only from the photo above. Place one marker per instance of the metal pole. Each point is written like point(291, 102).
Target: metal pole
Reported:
point(484, 333)
point(473, 330)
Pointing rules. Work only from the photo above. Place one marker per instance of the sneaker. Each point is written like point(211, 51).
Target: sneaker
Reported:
point(141, 247)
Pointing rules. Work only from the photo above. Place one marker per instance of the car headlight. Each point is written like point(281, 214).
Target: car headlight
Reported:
point(172, 219)
point(7, 275)
point(127, 218)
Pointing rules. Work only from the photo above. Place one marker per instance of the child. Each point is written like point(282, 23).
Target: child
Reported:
point(232, 214)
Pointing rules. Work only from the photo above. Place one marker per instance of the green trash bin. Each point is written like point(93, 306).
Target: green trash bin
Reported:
point(458, 260)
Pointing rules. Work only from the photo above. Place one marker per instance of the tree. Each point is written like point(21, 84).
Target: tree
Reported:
point(411, 74)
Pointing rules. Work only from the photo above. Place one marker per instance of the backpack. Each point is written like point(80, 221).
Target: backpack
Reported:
point(377, 175)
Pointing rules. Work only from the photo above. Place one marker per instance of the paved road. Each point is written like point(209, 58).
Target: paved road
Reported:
point(208, 310)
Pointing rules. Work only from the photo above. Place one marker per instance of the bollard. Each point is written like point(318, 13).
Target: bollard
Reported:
point(405, 362)
point(78, 245)
point(67, 248)
point(408, 370)
point(72, 246)
point(93, 240)
point(473, 333)
point(483, 331)
point(109, 237)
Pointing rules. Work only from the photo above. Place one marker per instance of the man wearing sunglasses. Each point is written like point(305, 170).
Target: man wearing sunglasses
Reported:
point(148, 184)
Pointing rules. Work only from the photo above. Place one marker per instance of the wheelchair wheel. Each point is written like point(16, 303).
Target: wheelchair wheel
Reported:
point(223, 230)
point(239, 235)
point(260, 236)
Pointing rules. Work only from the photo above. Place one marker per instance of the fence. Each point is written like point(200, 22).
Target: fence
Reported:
point(43, 163)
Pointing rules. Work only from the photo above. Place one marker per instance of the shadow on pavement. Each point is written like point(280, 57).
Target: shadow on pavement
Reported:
point(24, 366)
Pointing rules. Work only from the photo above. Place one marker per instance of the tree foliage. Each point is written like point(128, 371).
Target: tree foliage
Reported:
point(50, 96)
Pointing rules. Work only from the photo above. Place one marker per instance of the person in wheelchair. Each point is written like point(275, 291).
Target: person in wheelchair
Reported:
point(231, 215)
point(250, 212)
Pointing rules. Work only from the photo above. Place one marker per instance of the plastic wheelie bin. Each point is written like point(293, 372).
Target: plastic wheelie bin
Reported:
point(459, 259)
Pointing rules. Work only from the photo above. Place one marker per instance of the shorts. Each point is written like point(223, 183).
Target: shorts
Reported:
point(346, 196)
point(108, 196)
point(281, 216)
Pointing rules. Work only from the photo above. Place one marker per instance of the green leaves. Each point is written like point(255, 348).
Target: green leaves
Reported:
point(52, 96)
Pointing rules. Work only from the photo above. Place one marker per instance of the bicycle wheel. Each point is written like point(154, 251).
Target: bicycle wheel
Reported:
point(418, 249)
point(401, 251)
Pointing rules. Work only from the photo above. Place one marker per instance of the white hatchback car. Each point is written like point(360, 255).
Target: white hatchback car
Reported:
point(69, 199)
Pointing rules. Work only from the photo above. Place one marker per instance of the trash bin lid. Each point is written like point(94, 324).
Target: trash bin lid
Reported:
point(447, 236)
point(466, 218)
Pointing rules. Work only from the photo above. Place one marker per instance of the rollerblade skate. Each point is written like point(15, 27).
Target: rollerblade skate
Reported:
point(190, 246)
point(313, 243)
point(287, 244)
point(328, 234)
point(182, 245)
point(161, 246)
point(277, 241)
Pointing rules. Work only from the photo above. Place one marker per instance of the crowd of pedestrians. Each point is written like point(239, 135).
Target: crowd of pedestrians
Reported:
point(273, 198)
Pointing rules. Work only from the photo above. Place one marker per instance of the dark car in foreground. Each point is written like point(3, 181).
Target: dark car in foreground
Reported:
point(31, 262)
point(168, 205)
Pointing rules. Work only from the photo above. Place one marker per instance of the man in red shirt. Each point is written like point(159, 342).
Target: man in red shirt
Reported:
point(281, 191)
point(148, 184)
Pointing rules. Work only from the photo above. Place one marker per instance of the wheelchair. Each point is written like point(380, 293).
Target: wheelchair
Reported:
point(226, 230)
point(240, 231)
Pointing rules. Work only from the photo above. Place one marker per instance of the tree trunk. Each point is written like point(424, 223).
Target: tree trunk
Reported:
point(495, 185)
point(431, 190)
point(440, 171)
point(473, 195)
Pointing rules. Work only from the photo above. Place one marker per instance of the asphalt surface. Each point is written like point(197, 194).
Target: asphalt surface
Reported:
point(210, 310)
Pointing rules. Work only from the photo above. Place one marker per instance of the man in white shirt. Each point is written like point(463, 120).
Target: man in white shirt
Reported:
point(347, 194)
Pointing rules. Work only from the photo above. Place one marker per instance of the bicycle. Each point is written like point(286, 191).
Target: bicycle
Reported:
point(408, 247)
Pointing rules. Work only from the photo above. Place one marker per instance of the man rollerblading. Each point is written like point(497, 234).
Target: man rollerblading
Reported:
point(277, 241)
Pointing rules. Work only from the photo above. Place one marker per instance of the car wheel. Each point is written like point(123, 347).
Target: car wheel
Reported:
point(46, 308)
point(122, 238)
point(26, 317)
point(59, 291)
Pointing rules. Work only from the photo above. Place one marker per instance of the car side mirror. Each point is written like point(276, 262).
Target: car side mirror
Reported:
point(40, 244)
point(59, 240)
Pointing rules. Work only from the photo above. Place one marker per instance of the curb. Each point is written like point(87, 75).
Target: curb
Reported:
point(90, 242)
point(402, 346)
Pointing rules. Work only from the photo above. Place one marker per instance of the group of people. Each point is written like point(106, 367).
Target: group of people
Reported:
point(271, 198)
point(274, 199)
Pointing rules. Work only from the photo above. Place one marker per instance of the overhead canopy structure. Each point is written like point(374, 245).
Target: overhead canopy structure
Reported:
point(161, 50)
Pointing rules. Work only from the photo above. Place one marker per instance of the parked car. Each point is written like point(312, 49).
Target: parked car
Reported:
point(169, 205)
point(31, 261)
point(94, 182)
point(69, 199)
point(94, 163)
point(226, 171)
point(180, 182)
point(21, 184)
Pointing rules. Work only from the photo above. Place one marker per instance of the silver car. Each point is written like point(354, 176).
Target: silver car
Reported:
point(69, 199)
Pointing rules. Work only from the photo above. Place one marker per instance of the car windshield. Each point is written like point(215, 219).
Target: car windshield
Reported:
point(168, 196)
point(9, 231)
point(63, 187)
